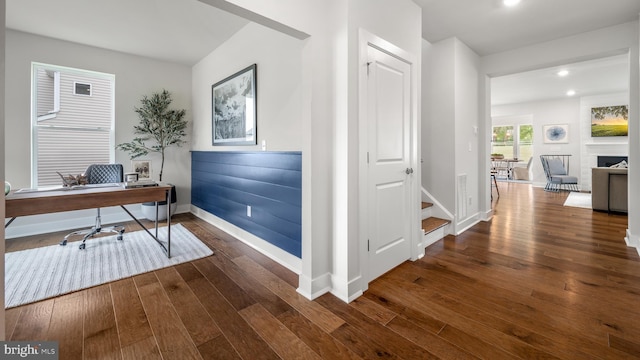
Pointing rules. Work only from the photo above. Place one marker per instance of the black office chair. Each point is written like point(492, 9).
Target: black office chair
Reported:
point(100, 174)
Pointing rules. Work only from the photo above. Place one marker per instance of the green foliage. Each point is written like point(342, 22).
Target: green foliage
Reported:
point(600, 113)
point(159, 128)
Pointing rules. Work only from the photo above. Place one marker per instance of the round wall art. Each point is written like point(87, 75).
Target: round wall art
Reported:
point(556, 133)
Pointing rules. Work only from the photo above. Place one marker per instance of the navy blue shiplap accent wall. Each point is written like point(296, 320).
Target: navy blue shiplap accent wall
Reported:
point(223, 183)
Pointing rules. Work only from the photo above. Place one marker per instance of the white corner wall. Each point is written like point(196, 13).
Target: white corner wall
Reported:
point(135, 76)
point(279, 94)
point(450, 135)
point(2, 152)
point(279, 88)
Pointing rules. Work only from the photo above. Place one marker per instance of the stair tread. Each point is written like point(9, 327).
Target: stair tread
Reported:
point(426, 204)
point(433, 223)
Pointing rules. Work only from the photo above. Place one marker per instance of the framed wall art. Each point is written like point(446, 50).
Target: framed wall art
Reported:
point(555, 134)
point(234, 110)
point(610, 121)
point(142, 167)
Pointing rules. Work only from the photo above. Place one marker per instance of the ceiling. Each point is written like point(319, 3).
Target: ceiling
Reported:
point(184, 31)
point(180, 31)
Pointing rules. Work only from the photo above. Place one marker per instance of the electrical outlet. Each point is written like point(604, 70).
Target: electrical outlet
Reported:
point(249, 210)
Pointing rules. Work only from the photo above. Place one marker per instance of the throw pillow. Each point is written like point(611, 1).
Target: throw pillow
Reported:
point(621, 165)
point(556, 167)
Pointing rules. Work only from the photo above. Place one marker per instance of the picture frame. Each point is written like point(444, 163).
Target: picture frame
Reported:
point(610, 121)
point(556, 134)
point(234, 109)
point(142, 167)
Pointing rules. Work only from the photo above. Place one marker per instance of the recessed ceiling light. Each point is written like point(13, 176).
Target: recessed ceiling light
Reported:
point(571, 92)
point(563, 72)
point(511, 2)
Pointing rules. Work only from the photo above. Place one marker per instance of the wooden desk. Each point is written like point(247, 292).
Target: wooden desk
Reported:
point(25, 203)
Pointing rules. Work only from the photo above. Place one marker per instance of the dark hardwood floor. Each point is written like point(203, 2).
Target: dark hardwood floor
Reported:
point(539, 281)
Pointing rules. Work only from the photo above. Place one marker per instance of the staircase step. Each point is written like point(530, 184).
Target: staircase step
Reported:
point(426, 205)
point(433, 223)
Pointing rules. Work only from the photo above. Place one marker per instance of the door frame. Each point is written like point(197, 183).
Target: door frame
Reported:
point(365, 40)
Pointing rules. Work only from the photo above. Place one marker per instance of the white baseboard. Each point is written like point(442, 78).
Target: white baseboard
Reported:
point(278, 255)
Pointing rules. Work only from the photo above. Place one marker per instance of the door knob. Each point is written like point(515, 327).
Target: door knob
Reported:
point(409, 171)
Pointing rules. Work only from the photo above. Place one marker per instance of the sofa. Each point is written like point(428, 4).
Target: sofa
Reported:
point(609, 189)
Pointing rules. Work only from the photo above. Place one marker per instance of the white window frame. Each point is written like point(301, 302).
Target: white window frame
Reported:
point(38, 121)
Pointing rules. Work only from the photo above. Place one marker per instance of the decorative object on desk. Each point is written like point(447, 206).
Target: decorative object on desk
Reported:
point(131, 177)
point(142, 168)
point(158, 124)
point(234, 118)
point(7, 188)
point(610, 121)
point(555, 134)
point(58, 268)
point(70, 180)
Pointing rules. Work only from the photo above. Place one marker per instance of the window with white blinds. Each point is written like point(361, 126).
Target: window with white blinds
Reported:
point(70, 131)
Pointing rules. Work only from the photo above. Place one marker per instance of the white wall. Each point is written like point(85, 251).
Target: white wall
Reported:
point(603, 42)
point(330, 121)
point(2, 152)
point(279, 70)
point(135, 76)
point(594, 146)
point(466, 136)
point(279, 94)
point(449, 135)
point(557, 112)
point(378, 19)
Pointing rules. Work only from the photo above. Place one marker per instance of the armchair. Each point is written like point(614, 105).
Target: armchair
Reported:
point(99, 174)
point(556, 169)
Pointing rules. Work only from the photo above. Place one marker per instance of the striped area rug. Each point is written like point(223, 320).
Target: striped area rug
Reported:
point(40, 273)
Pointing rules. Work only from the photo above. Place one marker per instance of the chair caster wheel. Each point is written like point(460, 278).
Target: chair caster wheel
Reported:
point(82, 246)
point(63, 243)
point(119, 237)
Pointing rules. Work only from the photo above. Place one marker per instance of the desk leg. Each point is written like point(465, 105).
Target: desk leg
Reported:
point(149, 232)
point(168, 223)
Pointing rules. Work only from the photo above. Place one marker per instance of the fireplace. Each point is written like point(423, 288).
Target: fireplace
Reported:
point(606, 161)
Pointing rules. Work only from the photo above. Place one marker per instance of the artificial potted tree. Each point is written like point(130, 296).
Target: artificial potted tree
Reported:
point(159, 128)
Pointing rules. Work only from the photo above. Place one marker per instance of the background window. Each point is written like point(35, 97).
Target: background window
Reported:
point(80, 131)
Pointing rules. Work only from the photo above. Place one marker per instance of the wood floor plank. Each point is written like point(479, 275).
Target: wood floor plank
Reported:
point(218, 348)
point(33, 322)
point(239, 334)
point(376, 312)
point(144, 349)
point(234, 294)
point(274, 304)
point(131, 319)
point(283, 341)
point(317, 339)
point(11, 317)
point(197, 321)
point(318, 314)
point(170, 333)
point(66, 325)
point(384, 336)
point(100, 331)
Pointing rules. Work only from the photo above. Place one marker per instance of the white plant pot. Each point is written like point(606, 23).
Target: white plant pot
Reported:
point(149, 208)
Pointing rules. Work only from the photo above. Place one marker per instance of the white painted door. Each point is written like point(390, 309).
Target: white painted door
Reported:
point(389, 162)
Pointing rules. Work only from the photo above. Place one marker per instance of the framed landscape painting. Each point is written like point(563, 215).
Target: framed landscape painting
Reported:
point(610, 121)
point(234, 112)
